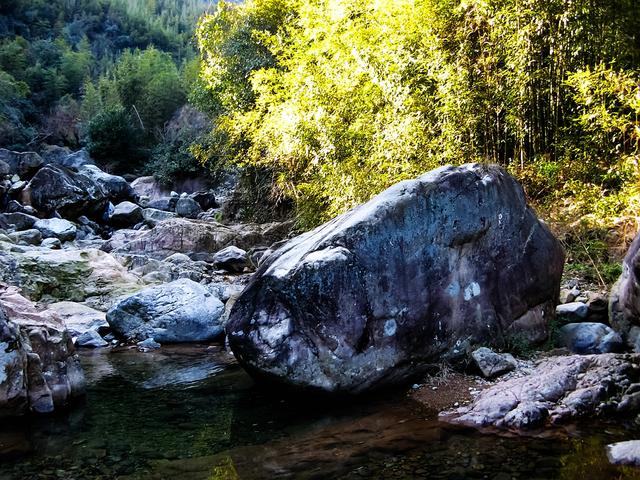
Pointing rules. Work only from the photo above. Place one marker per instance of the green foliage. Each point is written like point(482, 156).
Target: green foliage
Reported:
point(111, 137)
point(341, 98)
point(67, 51)
point(148, 82)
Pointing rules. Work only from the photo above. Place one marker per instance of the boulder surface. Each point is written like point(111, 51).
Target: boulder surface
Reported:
point(180, 311)
point(371, 297)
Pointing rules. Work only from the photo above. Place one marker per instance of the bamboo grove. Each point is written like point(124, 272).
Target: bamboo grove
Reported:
point(338, 99)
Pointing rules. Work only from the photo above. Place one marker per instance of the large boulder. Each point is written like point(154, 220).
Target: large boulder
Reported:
point(71, 194)
point(371, 297)
point(180, 311)
point(23, 164)
point(117, 188)
point(179, 235)
point(58, 228)
point(624, 301)
point(74, 275)
point(21, 221)
point(52, 375)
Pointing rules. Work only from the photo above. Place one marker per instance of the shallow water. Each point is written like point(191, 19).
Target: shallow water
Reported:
point(192, 413)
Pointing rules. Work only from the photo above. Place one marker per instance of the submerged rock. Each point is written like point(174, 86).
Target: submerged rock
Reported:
point(558, 390)
point(373, 296)
point(180, 311)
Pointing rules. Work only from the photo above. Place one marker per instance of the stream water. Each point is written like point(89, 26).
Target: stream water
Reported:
point(191, 413)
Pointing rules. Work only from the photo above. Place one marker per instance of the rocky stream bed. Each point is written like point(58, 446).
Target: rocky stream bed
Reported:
point(141, 337)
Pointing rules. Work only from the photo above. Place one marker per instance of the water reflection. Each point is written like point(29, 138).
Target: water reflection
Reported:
point(192, 413)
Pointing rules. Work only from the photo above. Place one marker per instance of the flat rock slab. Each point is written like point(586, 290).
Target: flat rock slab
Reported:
point(558, 390)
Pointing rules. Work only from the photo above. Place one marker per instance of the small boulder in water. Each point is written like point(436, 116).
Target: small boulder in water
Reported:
point(180, 311)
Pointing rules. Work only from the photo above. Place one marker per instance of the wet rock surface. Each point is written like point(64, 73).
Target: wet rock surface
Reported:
point(558, 390)
point(41, 371)
point(371, 297)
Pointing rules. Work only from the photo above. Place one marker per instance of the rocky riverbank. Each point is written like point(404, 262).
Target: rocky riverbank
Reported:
point(95, 262)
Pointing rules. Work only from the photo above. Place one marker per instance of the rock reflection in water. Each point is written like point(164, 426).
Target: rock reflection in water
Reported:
point(192, 413)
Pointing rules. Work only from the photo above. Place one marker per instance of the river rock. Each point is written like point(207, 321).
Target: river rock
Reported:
point(72, 160)
point(21, 221)
point(180, 311)
point(69, 193)
point(180, 235)
point(624, 453)
point(58, 228)
point(373, 296)
point(589, 337)
point(232, 259)
point(23, 164)
point(572, 312)
point(166, 204)
point(91, 339)
point(79, 318)
point(28, 237)
point(126, 214)
point(206, 199)
point(493, 364)
point(559, 389)
point(188, 208)
point(117, 188)
point(153, 216)
point(53, 374)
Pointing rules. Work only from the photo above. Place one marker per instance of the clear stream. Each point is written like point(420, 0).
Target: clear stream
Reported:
point(191, 413)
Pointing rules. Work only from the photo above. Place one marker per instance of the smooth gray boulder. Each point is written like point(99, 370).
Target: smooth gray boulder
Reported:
point(232, 259)
point(188, 207)
point(180, 311)
point(79, 318)
point(69, 193)
point(116, 188)
point(58, 228)
point(126, 214)
point(373, 296)
point(588, 337)
point(493, 364)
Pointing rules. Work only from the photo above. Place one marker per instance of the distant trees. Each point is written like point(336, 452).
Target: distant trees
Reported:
point(341, 98)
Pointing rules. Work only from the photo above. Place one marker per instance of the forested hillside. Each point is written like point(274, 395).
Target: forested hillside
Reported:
point(338, 99)
point(106, 74)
